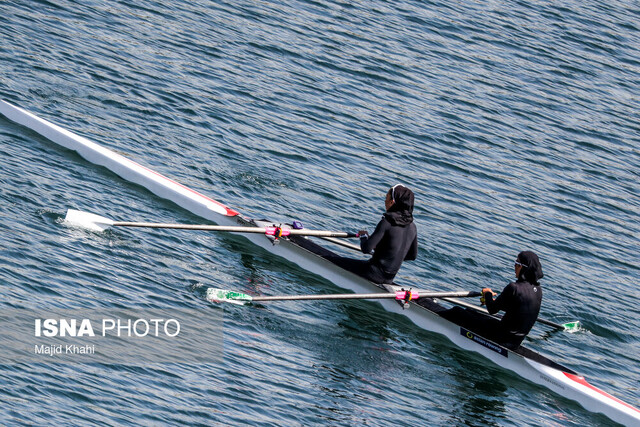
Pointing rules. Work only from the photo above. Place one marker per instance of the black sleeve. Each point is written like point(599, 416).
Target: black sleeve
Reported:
point(501, 302)
point(370, 243)
point(413, 250)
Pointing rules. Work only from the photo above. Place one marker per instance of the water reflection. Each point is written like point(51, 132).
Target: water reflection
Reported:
point(482, 399)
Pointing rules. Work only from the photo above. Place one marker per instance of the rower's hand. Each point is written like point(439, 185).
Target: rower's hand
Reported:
point(363, 234)
point(486, 292)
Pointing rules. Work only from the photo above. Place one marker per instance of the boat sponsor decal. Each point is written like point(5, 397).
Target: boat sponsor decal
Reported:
point(580, 380)
point(484, 342)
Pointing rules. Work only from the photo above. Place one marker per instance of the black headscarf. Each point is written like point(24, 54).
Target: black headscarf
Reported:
point(531, 270)
point(401, 212)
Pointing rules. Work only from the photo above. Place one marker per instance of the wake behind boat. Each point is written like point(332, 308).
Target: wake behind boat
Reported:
point(314, 257)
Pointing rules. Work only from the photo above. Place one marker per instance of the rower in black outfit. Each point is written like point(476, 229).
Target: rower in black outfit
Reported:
point(520, 300)
point(394, 240)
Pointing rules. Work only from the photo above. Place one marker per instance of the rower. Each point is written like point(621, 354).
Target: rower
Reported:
point(520, 300)
point(394, 240)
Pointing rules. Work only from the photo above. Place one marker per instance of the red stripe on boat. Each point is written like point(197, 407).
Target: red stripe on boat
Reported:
point(582, 381)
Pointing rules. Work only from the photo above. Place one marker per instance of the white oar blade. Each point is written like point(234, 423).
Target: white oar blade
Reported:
point(222, 295)
point(87, 220)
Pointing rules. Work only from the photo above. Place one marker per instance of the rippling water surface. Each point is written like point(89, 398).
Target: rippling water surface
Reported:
point(516, 123)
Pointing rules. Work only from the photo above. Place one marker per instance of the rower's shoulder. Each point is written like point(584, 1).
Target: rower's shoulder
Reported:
point(524, 287)
point(384, 222)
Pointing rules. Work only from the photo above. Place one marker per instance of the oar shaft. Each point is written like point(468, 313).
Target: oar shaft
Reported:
point(342, 243)
point(321, 297)
point(190, 227)
point(236, 229)
point(550, 323)
point(484, 310)
point(385, 295)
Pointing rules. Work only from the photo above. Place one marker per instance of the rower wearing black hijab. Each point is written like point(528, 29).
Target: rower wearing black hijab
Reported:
point(520, 300)
point(394, 240)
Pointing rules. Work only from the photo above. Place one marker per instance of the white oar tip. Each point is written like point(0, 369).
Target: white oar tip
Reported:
point(87, 220)
point(222, 295)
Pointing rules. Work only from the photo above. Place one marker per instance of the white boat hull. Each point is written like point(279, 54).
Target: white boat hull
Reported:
point(554, 377)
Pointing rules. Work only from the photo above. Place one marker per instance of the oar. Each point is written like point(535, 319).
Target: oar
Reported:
point(569, 326)
point(222, 295)
point(343, 243)
point(99, 223)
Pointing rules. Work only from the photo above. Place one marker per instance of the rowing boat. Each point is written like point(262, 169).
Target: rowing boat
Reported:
point(311, 256)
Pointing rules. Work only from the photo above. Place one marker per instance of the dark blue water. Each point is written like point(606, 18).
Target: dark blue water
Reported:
point(516, 123)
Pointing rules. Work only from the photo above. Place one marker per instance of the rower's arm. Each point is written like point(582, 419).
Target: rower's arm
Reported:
point(369, 243)
point(413, 250)
point(501, 302)
point(492, 304)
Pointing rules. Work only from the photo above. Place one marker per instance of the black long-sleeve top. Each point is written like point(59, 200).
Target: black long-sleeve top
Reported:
point(393, 244)
point(521, 303)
